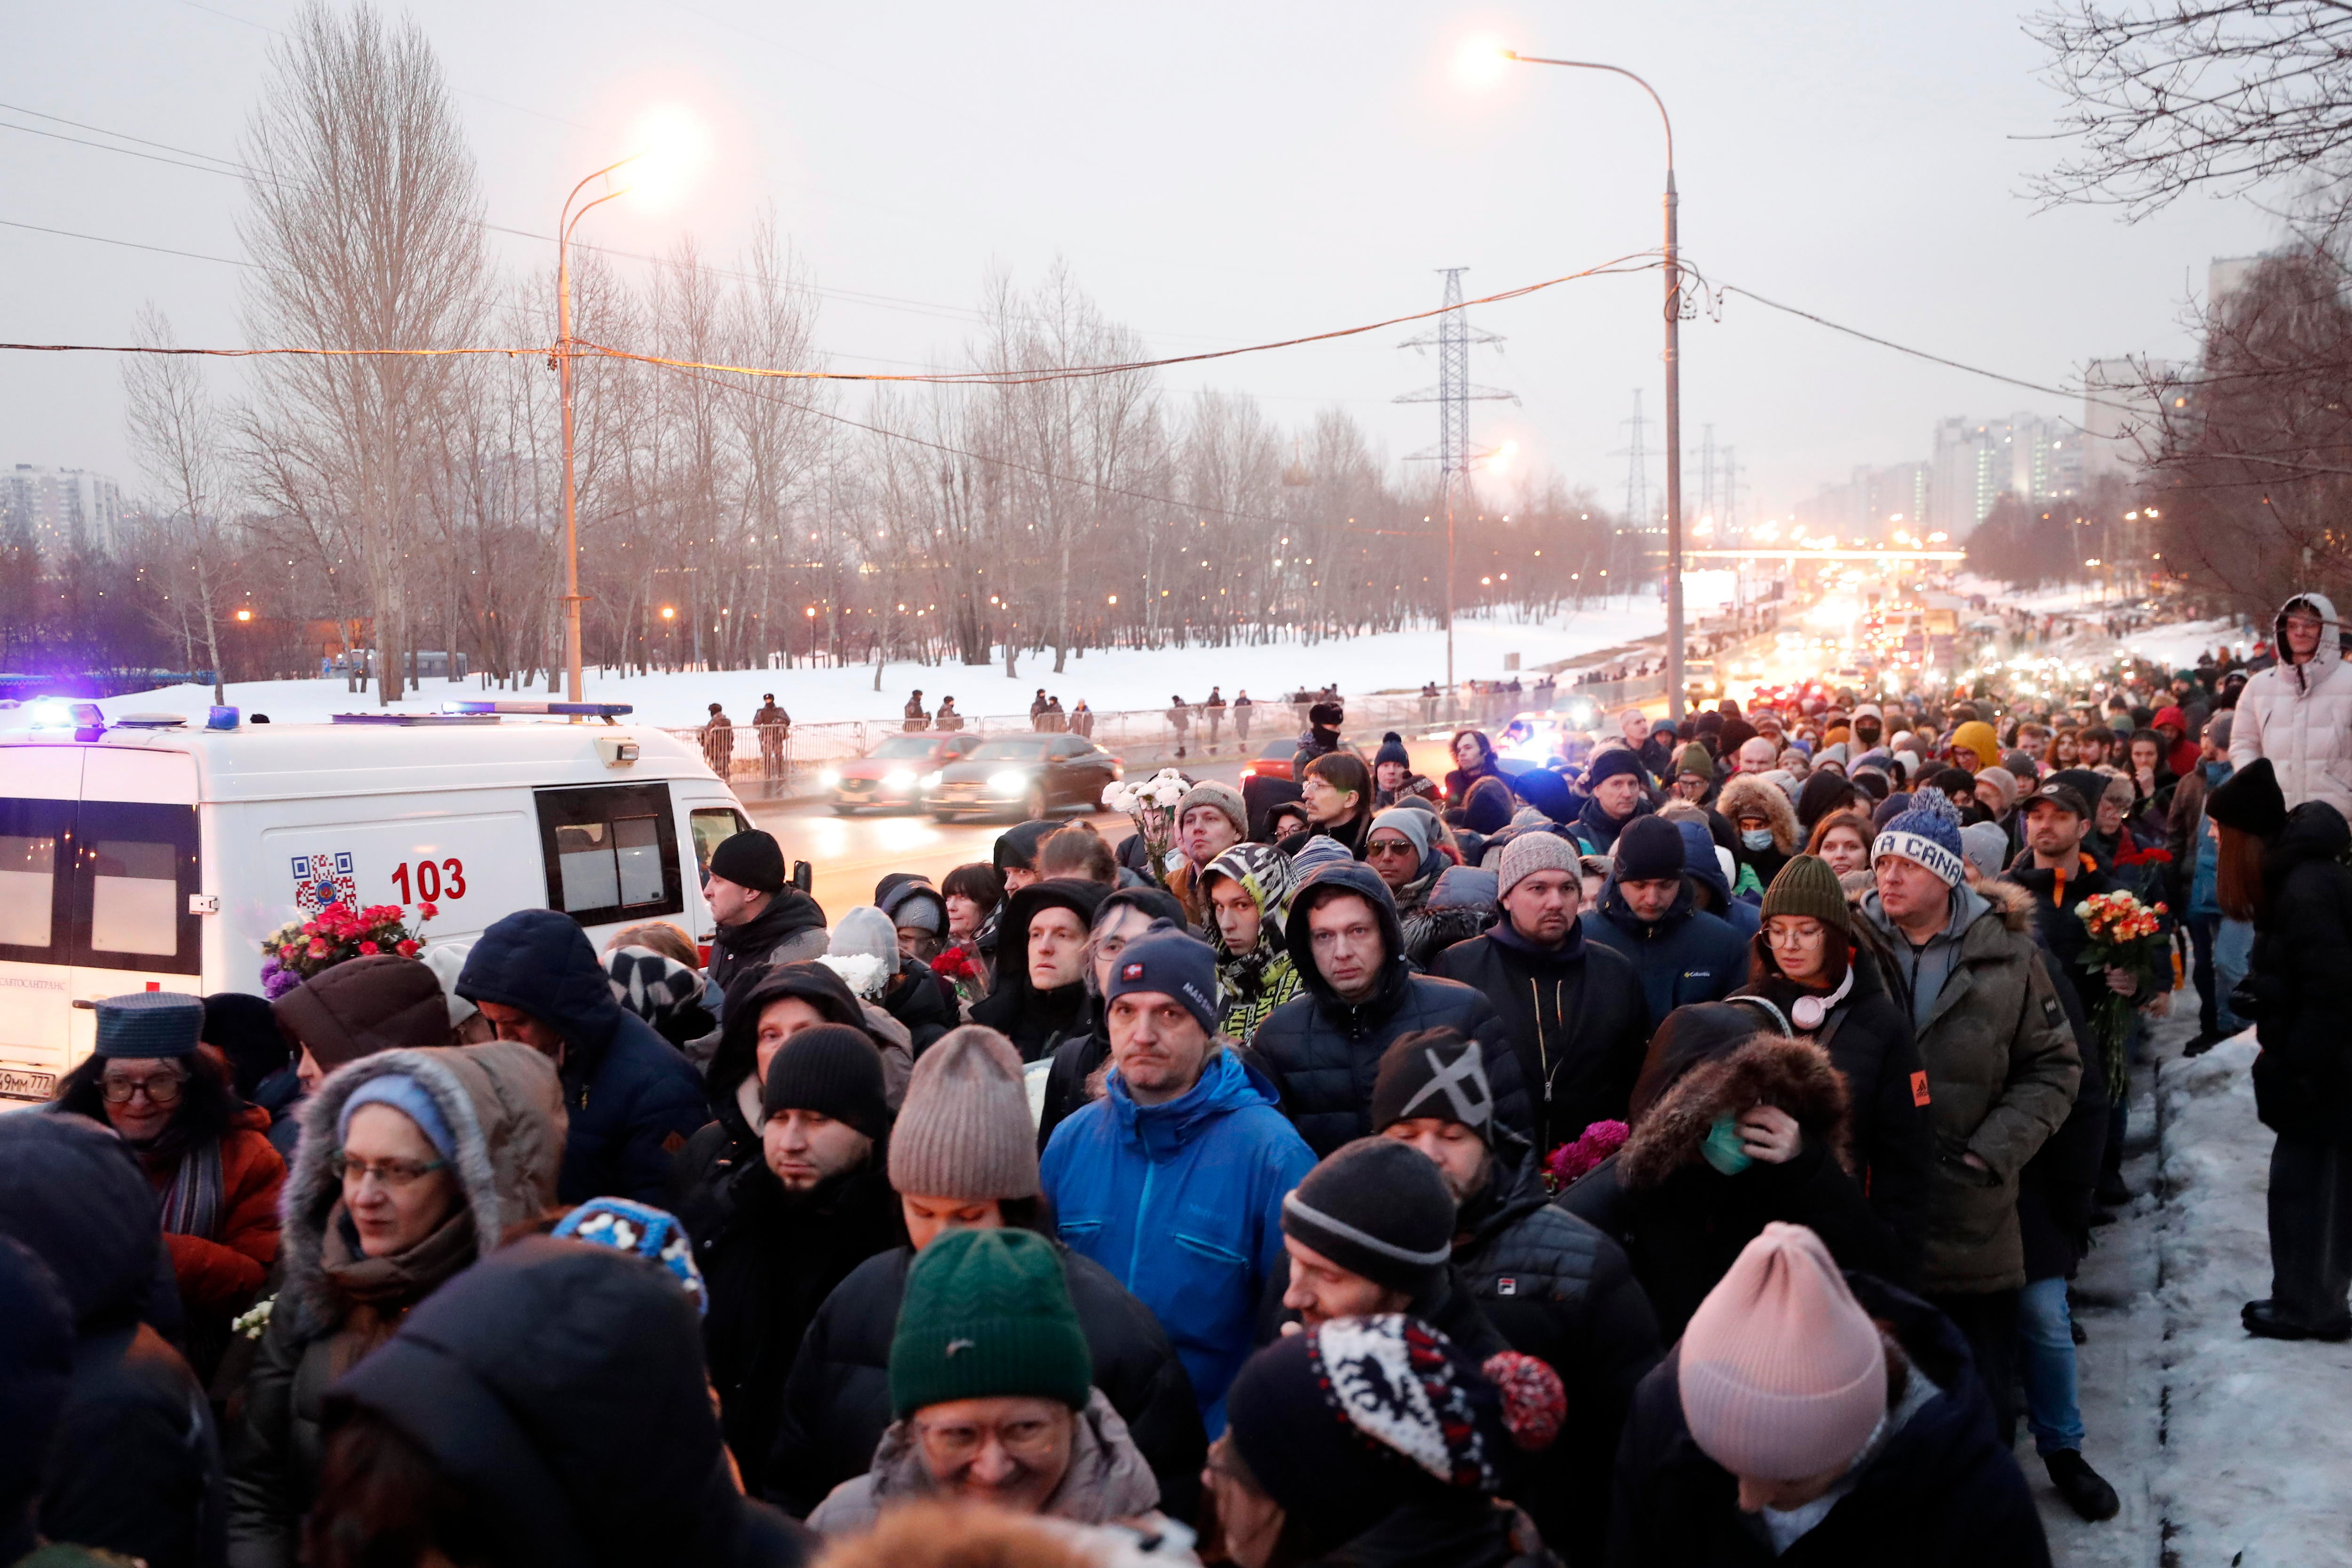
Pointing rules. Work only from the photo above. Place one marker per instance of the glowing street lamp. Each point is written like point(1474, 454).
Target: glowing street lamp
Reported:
point(670, 147)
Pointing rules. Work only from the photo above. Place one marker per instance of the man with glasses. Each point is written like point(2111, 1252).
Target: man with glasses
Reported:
point(2298, 712)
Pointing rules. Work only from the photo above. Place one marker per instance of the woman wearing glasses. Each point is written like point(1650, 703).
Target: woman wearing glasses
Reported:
point(207, 1153)
point(412, 1163)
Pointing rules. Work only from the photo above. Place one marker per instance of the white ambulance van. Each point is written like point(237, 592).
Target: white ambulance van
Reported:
point(151, 852)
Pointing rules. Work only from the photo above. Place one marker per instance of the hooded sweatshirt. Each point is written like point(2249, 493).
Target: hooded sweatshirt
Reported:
point(2299, 715)
point(632, 1100)
point(1257, 982)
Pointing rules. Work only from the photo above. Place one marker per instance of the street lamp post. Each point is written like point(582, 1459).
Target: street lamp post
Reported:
point(1673, 386)
point(563, 352)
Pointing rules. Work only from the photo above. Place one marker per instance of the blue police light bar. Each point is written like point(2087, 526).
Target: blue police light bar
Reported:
point(607, 711)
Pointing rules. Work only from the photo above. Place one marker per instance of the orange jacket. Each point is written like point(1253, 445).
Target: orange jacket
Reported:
point(220, 1278)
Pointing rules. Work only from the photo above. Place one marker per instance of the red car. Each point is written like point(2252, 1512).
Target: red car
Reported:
point(892, 772)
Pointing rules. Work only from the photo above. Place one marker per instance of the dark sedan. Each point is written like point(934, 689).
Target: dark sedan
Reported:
point(1023, 777)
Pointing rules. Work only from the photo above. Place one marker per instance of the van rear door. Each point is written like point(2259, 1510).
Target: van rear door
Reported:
point(39, 789)
point(136, 867)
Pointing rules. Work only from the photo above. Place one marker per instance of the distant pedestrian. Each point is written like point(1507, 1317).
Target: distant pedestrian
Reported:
point(719, 740)
point(1242, 706)
point(1179, 719)
point(917, 719)
point(947, 718)
point(774, 727)
point(1082, 719)
point(1037, 710)
point(1055, 719)
point(1214, 708)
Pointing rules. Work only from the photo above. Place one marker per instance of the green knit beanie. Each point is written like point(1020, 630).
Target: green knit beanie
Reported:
point(1694, 759)
point(987, 1313)
point(1806, 885)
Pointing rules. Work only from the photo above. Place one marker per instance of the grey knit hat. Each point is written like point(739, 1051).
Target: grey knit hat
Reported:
point(1225, 798)
point(1536, 851)
point(964, 1130)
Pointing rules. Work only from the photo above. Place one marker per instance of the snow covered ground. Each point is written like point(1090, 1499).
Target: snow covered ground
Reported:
point(1108, 680)
point(2229, 1451)
point(2177, 646)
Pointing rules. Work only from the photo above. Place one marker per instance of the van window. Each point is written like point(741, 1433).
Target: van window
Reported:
point(132, 884)
point(31, 832)
point(610, 851)
point(713, 826)
point(135, 868)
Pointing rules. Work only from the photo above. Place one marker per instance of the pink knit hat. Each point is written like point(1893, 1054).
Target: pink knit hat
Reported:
point(1782, 1373)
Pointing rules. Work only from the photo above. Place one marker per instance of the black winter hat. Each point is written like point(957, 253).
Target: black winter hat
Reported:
point(1649, 849)
point(1434, 1072)
point(833, 1070)
point(1547, 793)
point(1326, 715)
point(753, 859)
point(2250, 801)
point(1488, 807)
point(1375, 1207)
point(1392, 751)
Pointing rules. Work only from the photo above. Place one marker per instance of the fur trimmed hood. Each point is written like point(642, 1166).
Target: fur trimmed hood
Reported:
point(504, 1105)
point(1752, 794)
point(1768, 1070)
point(2012, 903)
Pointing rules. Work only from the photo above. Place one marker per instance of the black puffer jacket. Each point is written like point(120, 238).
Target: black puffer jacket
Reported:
point(790, 928)
point(1868, 1037)
point(1559, 1290)
point(837, 1403)
point(915, 997)
point(1324, 1053)
point(1683, 1222)
point(560, 1386)
point(135, 1463)
point(2302, 951)
point(1942, 1491)
point(1575, 1017)
point(1038, 1022)
point(770, 1258)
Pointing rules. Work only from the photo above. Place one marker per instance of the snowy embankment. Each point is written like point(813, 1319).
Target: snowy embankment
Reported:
point(2177, 646)
point(1108, 679)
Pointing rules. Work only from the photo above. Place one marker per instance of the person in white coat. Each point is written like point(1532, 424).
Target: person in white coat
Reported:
point(2298, 712)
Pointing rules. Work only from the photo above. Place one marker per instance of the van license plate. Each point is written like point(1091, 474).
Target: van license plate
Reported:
point(23, 1083)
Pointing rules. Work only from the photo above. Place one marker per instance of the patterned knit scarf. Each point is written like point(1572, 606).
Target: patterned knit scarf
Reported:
point(191, 1204)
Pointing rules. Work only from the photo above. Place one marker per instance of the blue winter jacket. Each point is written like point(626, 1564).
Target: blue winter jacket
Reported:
point(1182, 1202)
point(1689, 956)
point(2204, 899)
point(633, 1099)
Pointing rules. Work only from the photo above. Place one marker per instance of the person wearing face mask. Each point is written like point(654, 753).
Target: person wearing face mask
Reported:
point(961, 1158)
point(774, 1235)
point(413, 1164)
point(206, 1153)
point(1807, 962)
point(1809, 1417)
point(1764, 825)
point(993, 1387)
point(1040, 999)
point(1736, 1123)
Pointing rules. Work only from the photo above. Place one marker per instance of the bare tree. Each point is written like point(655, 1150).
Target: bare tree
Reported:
point(365, 222)
point(177, 432)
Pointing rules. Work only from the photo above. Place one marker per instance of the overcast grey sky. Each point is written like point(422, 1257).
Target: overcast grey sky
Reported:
point(1215, 173)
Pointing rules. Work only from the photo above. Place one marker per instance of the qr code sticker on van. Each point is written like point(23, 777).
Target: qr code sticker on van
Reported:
point(325, 878)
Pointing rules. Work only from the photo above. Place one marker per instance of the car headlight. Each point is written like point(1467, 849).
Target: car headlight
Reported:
point(829, 779)
point(932, 780)
point(1007, 785)
point(897, 778)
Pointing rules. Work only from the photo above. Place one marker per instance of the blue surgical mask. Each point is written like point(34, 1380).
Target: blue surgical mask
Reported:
point(1757, 838)
point(1724, 1149)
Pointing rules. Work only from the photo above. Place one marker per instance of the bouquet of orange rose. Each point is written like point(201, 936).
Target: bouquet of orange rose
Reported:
point(2128, 935)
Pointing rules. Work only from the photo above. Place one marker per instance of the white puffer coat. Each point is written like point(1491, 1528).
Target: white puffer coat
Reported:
point(2299, 715)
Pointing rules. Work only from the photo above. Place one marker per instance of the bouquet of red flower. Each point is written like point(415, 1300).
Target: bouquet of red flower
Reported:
point(337, 934)
point(2128, 935)
point(1572, 1162)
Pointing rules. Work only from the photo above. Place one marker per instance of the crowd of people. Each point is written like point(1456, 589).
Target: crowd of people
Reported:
point(1675, 1155)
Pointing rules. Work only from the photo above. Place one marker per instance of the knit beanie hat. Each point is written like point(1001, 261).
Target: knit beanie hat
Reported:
point(653, 985)
point(1346, 1420)
point(964, 1130)
point(1616, 760)
point(2219, 729)
point(403, 1093)
point(1534, 851)
point(1432, 1072)
point(753, 859)
point(1694, 759)
point(1378, 1208)
point(1808, 886)
point(986, 1314)
point(1986, 846)
point(446, 959)
point(2002, 780)
point(1488, 807)
point(1412, 821)
point(1225, 798)
point(911, 901)
point(655, 1235)
point(1927, 838)
point(1392, 751)
point(1547, 791)
point(863, 949)
point(1166, 959)
point(1649, 849)
point(1782, 1373)
point(2250, 801)
point(831, 1069)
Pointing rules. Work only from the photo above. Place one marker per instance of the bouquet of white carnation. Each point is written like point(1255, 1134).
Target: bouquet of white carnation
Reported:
point(1151, 806)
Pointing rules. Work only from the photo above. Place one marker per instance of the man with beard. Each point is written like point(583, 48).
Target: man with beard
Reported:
point(1551, 1284)
point(774, 1236)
